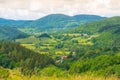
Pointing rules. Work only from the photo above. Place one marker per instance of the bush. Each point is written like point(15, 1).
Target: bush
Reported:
point(113, 70)
point(4, 73)
point(78, 67)
point(52, 71)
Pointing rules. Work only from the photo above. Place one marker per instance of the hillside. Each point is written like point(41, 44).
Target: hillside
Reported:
point(10, 33)
point(107, 29)
point(15, 56)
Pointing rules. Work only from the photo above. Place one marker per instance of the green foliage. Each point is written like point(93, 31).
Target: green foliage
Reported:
point(6, 62)
point(78, 67)
point(108, 30)
point(10, 33)
point(13, 55)
point(4, 73)
point(52, 71)
point(105, 65)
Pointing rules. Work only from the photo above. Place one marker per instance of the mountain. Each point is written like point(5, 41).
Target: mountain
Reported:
point(60, 21)
point(107, 29)
point(52, 22)
point(10, 33)
point(14, 23)
point(87, 18)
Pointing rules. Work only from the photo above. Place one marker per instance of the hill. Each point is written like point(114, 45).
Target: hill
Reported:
point(15, 56)
point(107, 29)
point(10, 33)
point(50, 23)
point(87, 18)
point(14, 23)
point(55, 22)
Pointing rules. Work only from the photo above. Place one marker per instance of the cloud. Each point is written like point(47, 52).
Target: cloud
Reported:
point(115, 4)
point(34, 9)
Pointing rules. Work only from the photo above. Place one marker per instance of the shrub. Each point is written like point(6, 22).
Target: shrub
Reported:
point(52, 71)
point(4, 73)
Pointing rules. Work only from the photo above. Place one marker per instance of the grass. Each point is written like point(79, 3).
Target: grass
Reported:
point(61, 78)
point(29, 40)
point(61, 52)
point(29, 46)
point(83, 41)
point(16, 75)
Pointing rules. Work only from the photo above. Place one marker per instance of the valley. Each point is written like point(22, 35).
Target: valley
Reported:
point(79, 47)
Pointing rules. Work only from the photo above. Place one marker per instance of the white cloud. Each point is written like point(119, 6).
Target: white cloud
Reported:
point(33, 9)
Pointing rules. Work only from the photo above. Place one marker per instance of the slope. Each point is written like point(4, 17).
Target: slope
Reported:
point(10, 33)
point(107, 29)
point(14, 23)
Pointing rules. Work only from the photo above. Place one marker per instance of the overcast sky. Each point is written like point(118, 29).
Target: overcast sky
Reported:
point(34, 9)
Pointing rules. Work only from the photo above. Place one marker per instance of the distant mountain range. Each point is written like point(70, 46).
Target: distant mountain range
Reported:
point(52, 22)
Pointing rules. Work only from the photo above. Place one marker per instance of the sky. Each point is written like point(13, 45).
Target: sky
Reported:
point(35, 9)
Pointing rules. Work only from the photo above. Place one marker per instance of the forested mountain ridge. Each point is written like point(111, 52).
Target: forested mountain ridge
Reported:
point(52, 22)
point(55, 21)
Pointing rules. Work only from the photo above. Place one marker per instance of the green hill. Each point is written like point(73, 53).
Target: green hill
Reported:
point(14, 23)
point(56, 22)
point(87, 18)
point(15, 56)
point(107, 29)
point(50, 23)
point(10, 33)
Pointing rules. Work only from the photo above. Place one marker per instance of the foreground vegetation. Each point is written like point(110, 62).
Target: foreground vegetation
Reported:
point(16, 75)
